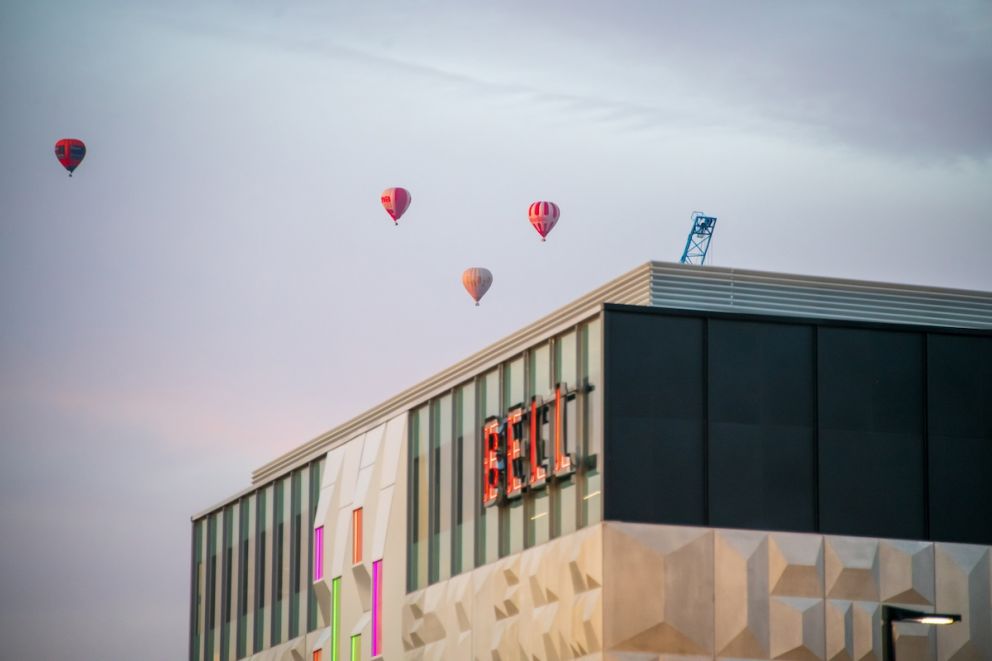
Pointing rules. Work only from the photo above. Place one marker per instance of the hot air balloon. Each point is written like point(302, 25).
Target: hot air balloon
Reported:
point(396, 201)
point(543, 216)
point(70, 153)
point(477, 281)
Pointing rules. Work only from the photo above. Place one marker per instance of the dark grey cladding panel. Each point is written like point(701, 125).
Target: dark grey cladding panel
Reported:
point(776, 423)
point(960, 437)
point(654, 465)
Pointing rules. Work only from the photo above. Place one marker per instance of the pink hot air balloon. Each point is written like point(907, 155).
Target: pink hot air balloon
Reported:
point(477, 281)
point(543, 216)
point(396, 201)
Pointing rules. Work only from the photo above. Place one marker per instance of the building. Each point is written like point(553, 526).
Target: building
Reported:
point(686, 463)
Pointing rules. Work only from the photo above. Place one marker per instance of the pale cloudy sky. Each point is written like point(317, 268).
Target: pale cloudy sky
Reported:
point(218, 284)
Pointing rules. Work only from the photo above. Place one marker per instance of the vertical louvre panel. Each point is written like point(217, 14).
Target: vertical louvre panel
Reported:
point(196, 594)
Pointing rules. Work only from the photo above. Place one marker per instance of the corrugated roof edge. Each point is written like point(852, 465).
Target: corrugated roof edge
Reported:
point(729, 289)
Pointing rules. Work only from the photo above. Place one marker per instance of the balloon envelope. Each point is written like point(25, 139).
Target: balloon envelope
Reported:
point(544, 217)
point(396, 201)
point(477, 281)
point(70, 153)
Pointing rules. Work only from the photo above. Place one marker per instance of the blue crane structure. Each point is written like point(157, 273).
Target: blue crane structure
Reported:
point(699, 239)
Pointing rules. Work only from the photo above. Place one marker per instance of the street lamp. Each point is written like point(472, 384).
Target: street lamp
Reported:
point(891, 614)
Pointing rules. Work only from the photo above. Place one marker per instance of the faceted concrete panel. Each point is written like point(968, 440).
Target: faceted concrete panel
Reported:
point(964, 586)
point(906, 573)
point(544, 603)
point(658, 589)
point(795, 565)
point(851, 566)
point(741, 580)
point(390, 452)
point(373, 441)
point(852, 630)
point(796, 628)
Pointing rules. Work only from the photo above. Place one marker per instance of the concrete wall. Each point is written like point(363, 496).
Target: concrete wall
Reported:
point(639, 592)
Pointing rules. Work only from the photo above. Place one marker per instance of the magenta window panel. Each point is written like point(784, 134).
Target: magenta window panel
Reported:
point(377, 608)
point(318, 553)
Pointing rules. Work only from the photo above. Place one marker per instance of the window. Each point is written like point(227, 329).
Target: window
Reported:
point(376, 608)
point(335, 617)
point(260, 541)
point(295, 532)
point(466, 502)
point(227, 570)
point(356, 536)
point(318, 553)
point(487, 541)
point(197, 590)
point(243, 529)
point(441, 485)
point(278, 548)
point(417, 519)
point(211, 607)
point(591, 363)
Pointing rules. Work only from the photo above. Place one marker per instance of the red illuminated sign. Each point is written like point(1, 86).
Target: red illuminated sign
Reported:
point(490, 462)
point(514, 457)
point(515, 454)
point(538, 462)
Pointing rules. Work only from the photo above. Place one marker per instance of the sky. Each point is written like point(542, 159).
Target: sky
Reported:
point(218, 283)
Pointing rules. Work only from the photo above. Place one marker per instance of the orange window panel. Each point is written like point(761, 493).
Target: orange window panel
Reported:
point(356, 529)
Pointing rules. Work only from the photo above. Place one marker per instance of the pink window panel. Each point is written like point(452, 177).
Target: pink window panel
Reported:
point(318, 553)
point(377, 608)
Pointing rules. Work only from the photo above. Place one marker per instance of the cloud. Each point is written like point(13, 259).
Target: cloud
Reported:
point(913, 80)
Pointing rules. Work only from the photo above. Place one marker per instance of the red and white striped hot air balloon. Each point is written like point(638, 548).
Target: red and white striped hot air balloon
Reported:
point(396, 201)
point(543, 216)
point(477, 281)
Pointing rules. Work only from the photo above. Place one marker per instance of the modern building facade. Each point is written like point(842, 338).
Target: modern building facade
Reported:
point(686, 463)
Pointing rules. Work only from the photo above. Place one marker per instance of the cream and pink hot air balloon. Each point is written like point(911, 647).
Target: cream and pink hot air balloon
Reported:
point(396, 201)
point(477, 281)
point(543, 216)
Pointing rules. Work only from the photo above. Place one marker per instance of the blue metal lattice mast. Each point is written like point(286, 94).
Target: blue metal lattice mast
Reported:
point(699, 239)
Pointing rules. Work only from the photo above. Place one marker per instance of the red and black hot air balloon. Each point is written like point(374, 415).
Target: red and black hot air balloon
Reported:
point(543, 216)
point(395, 201)
point(70, 153)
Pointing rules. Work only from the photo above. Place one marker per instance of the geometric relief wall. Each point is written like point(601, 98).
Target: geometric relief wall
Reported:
point(642, 592)
point(364, 472)
point(675, 592)
point(367, 472)
point(543, 603)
